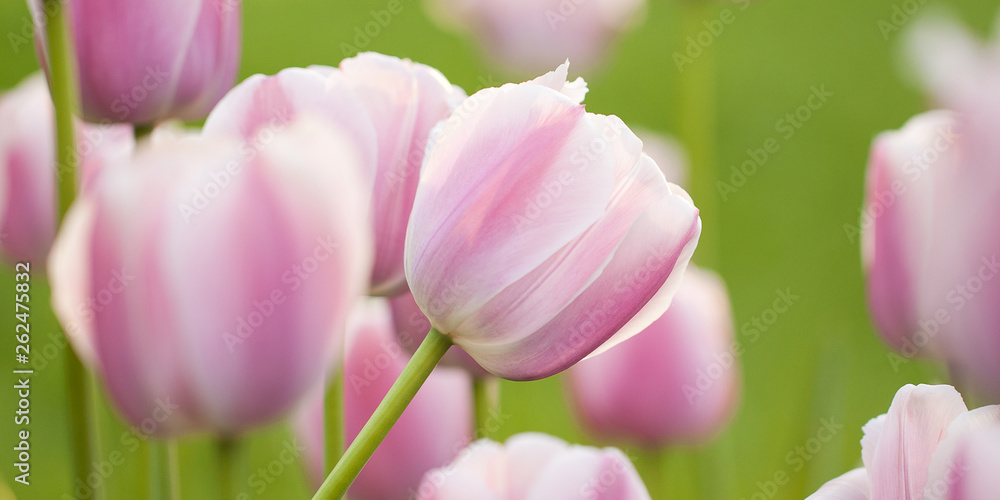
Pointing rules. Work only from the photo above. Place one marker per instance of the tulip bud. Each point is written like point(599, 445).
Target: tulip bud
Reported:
point(144, 61)
point(533, 35)
point(675, 381)
point(897, 226)
point(412, 326)
point(435, 426)
point(533, 465)
point(541, 233)
point(28, 168)
point(209, 290)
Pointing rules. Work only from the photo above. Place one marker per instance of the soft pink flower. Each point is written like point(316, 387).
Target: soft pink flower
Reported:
point(436, 425)
point(927, 447)
point(541, 233)
point(28, 168)
point(221, 316)
point(897, 224)
point(932, 255)
point(533, 35)
point(675, 381)
point(143, 61)
point(534, 466)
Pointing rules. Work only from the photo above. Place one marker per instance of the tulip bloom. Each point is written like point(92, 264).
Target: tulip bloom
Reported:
point(28, 168)
point(931, 266)
point(534, 466)
point(541, 233)
point(436, 425)
point(389, 105)
point(411, 327)
point(144, 61)
point(533, 35)
point(897, 226)
point(676, 381)
point(928, 446)
point(218, 317)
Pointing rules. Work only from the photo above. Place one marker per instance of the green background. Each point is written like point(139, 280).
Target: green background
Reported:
point(782, 229)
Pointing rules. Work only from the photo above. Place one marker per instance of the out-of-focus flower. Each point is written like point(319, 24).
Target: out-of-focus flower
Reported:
point(899, 195)
point(931, 255)
point(534, 466)
point(675, 381)
point(928, 446)
point(388, 104)
point(412, 326)
point(208, 306)
point(436, 425)
point(28, 168)
point(144, 61)
point(542, 233)
point(530, 36)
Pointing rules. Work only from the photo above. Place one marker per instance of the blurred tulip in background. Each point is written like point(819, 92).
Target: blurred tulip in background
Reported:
point(207, 306)
point(144, 61)
point(434, 428)
point(677, 381)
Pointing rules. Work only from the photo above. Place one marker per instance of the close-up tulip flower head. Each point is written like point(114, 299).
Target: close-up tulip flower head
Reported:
point(500, 250)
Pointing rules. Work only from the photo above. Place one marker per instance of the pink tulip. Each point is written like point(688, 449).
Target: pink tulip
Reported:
point(207, 305)
point(676, 381)
point(533, 35)
point(388, 104)
point(541, 233)
point(931, 265)
point(144, 61)
point(897, 226)
point(965, 247)
point(534, 466)
point(28, 168)
point(927, 447)
point(404, 101)
point(412, 326)
point(436, 425)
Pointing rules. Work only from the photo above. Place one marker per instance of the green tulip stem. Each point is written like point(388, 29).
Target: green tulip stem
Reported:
point(62, 80)
point(486, 393)
point(400, 394)
point(333, 421)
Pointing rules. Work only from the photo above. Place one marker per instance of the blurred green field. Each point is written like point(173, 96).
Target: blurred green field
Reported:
point(780, 230)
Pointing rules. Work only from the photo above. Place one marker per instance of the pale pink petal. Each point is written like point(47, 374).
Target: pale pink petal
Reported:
point(853, 485)
point(898, 454)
